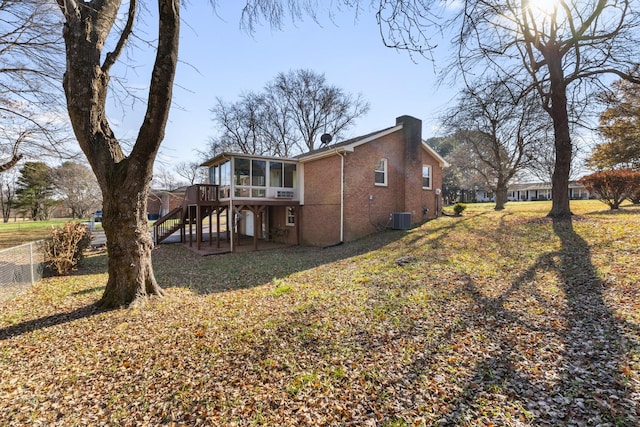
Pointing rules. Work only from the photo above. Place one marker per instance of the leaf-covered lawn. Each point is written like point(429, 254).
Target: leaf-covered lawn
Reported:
point(492, 318)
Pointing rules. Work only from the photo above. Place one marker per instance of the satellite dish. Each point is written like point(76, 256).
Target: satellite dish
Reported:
point(325, 138)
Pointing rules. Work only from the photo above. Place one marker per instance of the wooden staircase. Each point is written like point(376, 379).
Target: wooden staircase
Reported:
point(200, 200)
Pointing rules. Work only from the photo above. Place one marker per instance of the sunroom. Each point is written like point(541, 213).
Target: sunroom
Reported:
point(261, 195)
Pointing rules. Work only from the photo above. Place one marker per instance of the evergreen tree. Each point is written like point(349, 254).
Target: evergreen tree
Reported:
point(35, 190)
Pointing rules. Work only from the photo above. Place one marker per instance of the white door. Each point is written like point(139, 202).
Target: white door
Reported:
point(248, 223)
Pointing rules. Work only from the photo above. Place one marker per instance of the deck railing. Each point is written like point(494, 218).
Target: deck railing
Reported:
point(201, 193)
point(174, 220)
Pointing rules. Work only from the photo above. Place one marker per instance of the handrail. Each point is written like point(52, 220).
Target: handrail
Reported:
point(199, 194)
point(167, 225)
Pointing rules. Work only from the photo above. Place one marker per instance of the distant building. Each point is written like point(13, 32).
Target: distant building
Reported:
point(533, 191)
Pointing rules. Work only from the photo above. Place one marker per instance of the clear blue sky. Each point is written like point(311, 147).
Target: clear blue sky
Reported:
point(221, 60)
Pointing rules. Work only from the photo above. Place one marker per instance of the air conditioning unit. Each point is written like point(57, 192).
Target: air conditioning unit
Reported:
point(284, 194)
point(401, 220)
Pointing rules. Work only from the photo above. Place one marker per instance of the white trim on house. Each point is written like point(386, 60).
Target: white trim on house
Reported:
point(348, 147)
point(441, 161)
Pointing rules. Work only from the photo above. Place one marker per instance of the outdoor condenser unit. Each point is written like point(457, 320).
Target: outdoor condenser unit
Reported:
point(401, 220)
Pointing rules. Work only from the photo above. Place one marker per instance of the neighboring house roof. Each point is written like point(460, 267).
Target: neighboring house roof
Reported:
point(524, 186)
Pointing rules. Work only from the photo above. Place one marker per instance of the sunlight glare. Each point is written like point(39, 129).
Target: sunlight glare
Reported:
point(545, 7)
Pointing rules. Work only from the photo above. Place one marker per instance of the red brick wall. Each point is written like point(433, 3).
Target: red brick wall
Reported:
point(175, 200)
point(429, 196)
point(367, 207)
point(419, 199)
point(280, 231)
point(320, 215)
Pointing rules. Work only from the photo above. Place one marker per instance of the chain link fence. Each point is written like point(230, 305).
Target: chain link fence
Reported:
point(20, 267)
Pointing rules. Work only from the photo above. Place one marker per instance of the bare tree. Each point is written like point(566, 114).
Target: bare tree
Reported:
point(191, 171)
point(314, 106)
point(288, 117)
point(123, 178)
point(95, 34)
point(562, 49)
point(241, 124)
point(78, 187)
point(8, 180)
point(32, 60)
point(497, 128)
point(165, 179)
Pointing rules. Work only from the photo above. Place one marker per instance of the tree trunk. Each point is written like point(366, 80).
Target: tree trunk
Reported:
point(501, 196)
point(124, 179)
point(564, 149)
point(129, 246)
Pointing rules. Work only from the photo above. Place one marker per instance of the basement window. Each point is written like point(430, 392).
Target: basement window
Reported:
point(291, 216)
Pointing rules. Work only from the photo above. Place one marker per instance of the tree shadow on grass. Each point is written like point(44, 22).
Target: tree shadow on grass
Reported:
point(590, 387)
point(48, 321)
point(595, 348)
point(622, 210)
point(177, 266)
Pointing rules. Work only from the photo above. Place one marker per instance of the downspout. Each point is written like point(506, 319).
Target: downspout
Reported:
point(341, 195)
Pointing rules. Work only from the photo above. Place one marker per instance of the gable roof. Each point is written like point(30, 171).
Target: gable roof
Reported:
point(349, 145)
point(346, 146)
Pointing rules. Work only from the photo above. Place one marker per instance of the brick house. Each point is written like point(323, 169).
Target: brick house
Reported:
point(359, 186)
point(386, 179)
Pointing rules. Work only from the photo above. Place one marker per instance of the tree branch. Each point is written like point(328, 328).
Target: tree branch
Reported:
point(112, 57)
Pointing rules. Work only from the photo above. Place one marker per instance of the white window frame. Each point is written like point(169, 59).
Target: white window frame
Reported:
point(384, 173)
point(429, 175)
point(290, 219)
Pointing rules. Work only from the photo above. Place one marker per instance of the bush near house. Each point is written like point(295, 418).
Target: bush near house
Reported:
point(635, 194)
point(613, 186)
point(458, 208)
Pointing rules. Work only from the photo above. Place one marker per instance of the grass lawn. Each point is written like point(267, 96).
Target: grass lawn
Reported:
point(14, 233)
point(493, 318)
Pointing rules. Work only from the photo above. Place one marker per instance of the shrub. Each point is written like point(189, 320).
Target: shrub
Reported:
point(66, 247)
point(458, 208)
point(613, 186)
point(635, 192)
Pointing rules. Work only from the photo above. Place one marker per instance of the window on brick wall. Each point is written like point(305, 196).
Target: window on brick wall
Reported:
point(426, 177)
point(380, 172)
point(291, 216)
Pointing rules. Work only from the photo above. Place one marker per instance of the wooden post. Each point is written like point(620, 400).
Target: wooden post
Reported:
point(218, 228)
point(190, 225)
point(256, 219)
